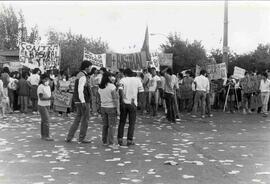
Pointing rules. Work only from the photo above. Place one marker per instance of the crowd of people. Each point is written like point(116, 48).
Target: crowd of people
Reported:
point(101, 92)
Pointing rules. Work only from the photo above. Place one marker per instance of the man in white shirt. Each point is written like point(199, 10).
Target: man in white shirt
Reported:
point(145, 96)
point(129, 87)
point(153, 91)
point(265, 90)
point(202, 87)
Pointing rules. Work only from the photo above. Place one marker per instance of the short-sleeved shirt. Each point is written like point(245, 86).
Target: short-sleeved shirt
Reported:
point(34, 79)
point(106, 96)
point(130, 86)
point(46, 92)
point(153, 83)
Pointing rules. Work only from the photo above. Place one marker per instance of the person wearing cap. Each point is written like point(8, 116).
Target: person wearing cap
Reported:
point(81, 98)
point(44, 102)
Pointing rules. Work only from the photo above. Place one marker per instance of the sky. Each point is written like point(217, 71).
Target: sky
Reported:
point(122, 24)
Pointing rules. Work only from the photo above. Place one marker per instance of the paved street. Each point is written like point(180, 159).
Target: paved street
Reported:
point(225, 149)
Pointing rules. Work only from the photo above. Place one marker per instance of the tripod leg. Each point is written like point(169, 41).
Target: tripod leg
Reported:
point(226, 99)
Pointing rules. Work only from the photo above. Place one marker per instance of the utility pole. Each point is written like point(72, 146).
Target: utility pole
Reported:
point(225, 58)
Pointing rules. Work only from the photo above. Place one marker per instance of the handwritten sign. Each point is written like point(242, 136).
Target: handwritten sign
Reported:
point(154, 61)
point(165, 59)
point(64, 85)
point(215, 71)
point(62, 99)
point(98, 60)
point(44, 56)
point(239, 73)
point(134, 61)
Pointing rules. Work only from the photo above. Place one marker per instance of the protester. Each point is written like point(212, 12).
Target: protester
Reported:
point(34, 81)
point(81, 98)
point(23, 92)
point(161, 88)
point(208, 98)
point(4, 99)
point(169, 94)
point(145, 94)
point(12, 87)
point(153, 91)
point(129, 88)
point(94, 82)
point(247, 89)
point(265, 90)
point(202, 87)
point(109, 104)
point(187, 93)
point(44, 97)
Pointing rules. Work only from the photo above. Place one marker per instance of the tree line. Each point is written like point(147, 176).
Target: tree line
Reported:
point(186, 54)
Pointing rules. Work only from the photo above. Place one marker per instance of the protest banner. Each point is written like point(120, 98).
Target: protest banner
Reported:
point(134, 61)
point(62, 101)
point(239, 73)
point(154, 61)
point(165, 59)
point(215, 71)
point(41, 56)
point(64, 85)
point(98, 60)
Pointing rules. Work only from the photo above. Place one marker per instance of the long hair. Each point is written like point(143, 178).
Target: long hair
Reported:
point(105, 80)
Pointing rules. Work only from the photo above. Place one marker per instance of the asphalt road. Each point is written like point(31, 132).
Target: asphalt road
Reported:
point(224, 149)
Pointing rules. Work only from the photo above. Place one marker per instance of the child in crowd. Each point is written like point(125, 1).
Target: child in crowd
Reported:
point(44, 102)
point(4, 99)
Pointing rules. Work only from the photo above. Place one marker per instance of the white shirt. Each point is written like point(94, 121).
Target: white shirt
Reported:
point(265, 85)
point(131, 86)
point(162, 78)
point(175, 81)
point(106, 97)
point(46, 92)
point(202, 83)
point(82, 82)
point(34, 79)
point(153, 83)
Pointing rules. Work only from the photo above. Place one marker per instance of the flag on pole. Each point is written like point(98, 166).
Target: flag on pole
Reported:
point(145, 46)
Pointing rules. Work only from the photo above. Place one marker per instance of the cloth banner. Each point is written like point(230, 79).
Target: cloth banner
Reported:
point(98, 60)
point(62, 99)
point(134, 61)
point(166, 59)
point(239, 73)
point(45, 57)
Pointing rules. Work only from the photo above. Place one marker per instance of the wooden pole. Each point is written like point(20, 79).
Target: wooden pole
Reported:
point(225, 35)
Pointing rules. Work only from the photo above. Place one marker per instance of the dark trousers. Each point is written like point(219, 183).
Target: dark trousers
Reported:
point(82, 118)
point(23, 101)
point(169, 99)
point(130, 111)
point(109, 116)
point(44, 114)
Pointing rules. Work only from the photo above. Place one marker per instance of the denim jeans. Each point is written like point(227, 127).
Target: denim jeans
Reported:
point(154, 106)
point(208, 103)
point(81, 117)
point(246, 100)
point(169, 98)
point(199, 96)
point(109, 116)
point(130, 111)
point(44, 114)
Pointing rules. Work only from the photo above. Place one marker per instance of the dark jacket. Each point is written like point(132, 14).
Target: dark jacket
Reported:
point(23, 87)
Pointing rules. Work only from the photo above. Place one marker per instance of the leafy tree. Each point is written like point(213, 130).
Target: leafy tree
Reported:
point(72, 47)
point(185, 54)
point(34, 35)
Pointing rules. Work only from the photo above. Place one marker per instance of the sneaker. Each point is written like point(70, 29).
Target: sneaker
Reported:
point(85, 141)
point(210, 115)
point(193, 116)
point(120, 143)
point(130, 143)
point(249, 111)
point(203, 116)
point(47, 138)
point(113, 146)
point(68, 140)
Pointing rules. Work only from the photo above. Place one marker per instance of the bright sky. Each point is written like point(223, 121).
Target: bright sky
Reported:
point(122, 24)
